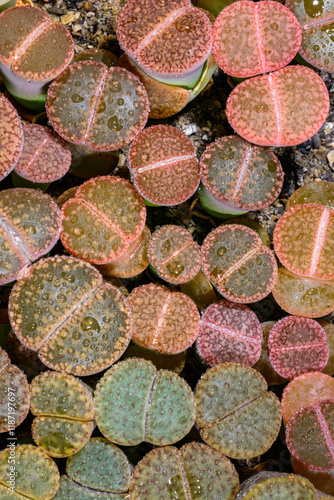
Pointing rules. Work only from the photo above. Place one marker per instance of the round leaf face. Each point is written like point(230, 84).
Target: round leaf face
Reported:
point(11, 137)
point(266, 485)
point(98, 107)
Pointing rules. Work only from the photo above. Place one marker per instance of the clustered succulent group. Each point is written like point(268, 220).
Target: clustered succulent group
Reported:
point(164, 386)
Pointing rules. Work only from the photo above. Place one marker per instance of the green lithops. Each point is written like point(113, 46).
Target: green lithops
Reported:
point(70, 490)
point(34, 474)
point(14, 394)
point(195, 471)
point(276, 486)
point(64, 411)
point(134, 402)
point(62, 308)
point(235, 413)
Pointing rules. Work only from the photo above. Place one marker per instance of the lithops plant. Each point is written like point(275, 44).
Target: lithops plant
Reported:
point(307, 389)
point(303, 240)
point(134, 260)
point(64, 411)
point(99, 467)
point(238, 176)
point(194, 471)
point(247, 38)
point(33, 474)
point(62, 309)
point(45, 156)
point(200, 290)
point(229, 332)
point(169, 40)
point(235, 260)
point(30, 224)
point(167, 100)
point(320, 192)
point(310, 434)
point(297, 345)
point(14, 394)
point(303, 296)
point(263, 364)
point(100, 55)
point(96, 106)
point(172, 362)
point(329, 329)
point(163, 320)
point(102, 219)
point(33, 51)
point(316, 20)
point(174, 254)
point(163, 165)
point(244, 220)
point(71, 490)
point(283, 108)
point(277, 485)
point(235, 413)
point(134, 402)
point(11, 137)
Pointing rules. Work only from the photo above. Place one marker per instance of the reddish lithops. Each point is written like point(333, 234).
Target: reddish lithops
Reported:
point(238, 177)
point(304, 239)
point(11, 137)
point(103, 218)
point(163, 165)
point(235, 413)
point(247, 38)
point(235, 260)
point(307, 389)
point(14, 394)
point(45, 157)
point(310, 436)
point(33, 51)
point(173, 253)
point(263, 364)
point(195, 469)
point(134, 402)
point(316, 20)
point(96, 106)
point(284, 108)
point(303, 296)
point(329, 329)
point(297, 345)
point(169, 39)
point(61, 308)
point(164, 321)
point(229, 332)
point(29, 227)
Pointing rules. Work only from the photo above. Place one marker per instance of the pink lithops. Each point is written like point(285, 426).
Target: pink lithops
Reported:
point(297, 345)
point(11, 137)
point(310, 435)
point(238, 177)
point(102, 219)
point(329, 329)
point(96, 106)
point(45, 157)
point(235, 260)
point(30, 225)
point(247, 38)
point(303, 296)
point(284, 108)
point(308, 388)
point(173, 253)
point(304, 239)
point(164, 321)
point(229, 332)
point(317, 22)
point(263, 364)
point(169, 39)
point(163, 165)
point(33, 51)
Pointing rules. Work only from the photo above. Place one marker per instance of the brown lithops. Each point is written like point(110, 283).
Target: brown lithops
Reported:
point(102, 219)
point(29, 227)
point(174, 254)
point(229, 332)
point(62, 309)
point(163, 165)
point(164, 321)
point(235, 260)
point(320, 192)
point(45, 157)
point(11, 137)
